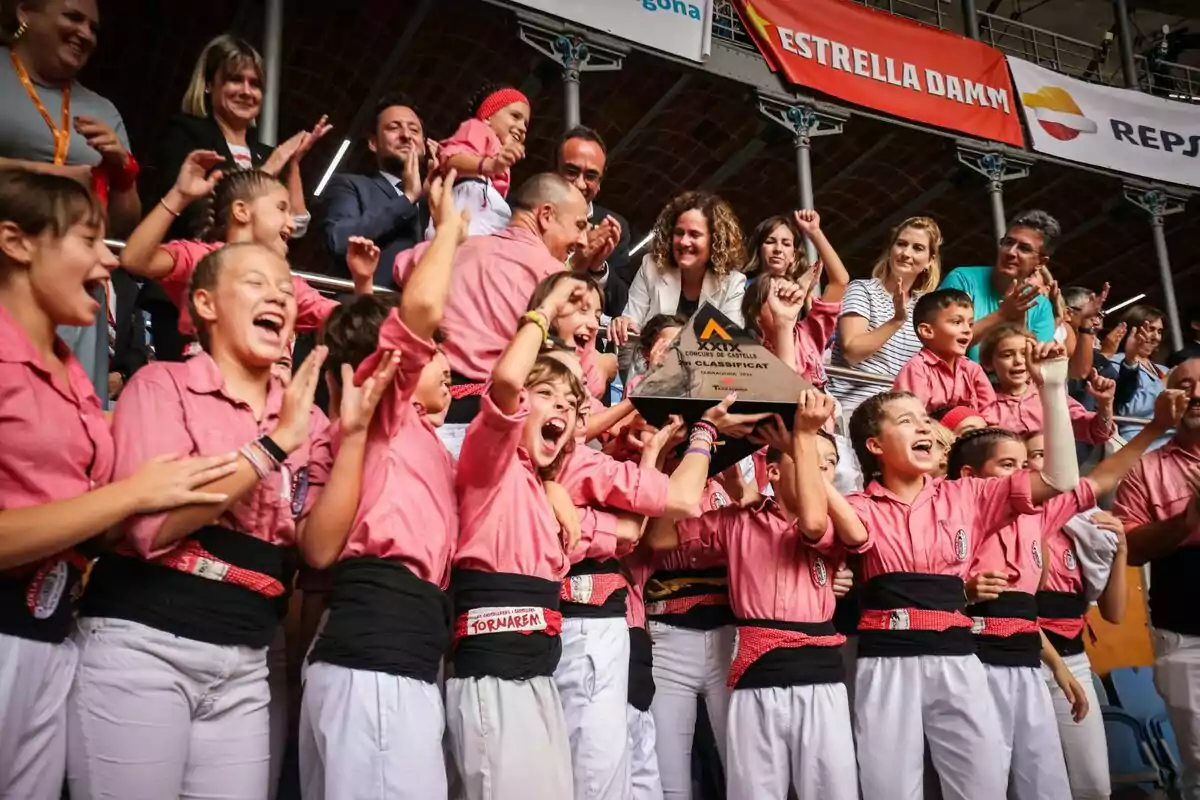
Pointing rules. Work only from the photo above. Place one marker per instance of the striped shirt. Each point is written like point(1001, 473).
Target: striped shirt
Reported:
point(870, 300)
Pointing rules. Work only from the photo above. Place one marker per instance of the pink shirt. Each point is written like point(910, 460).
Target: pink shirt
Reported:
point(505, 523)
point(597, 536)
point(182, 408)
point(475, 137)
point(594, 478)
point(311, 307)
point(638, 567)
point(1062, 569)
point(1016, 548)
point(812, 337)
point(55, 443)
point(938, 531)
point(407, 510)
point(490, 288)
point(1157, 489)
point(1023, 414)
point(938, 383)
point(774, 573)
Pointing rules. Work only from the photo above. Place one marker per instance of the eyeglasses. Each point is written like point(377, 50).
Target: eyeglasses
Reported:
point(1024, 248)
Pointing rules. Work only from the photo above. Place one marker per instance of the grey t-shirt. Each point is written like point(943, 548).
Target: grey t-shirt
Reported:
point(25, 135)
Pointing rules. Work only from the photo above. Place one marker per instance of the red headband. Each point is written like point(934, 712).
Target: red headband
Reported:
point(498, 100)
point(954, 417)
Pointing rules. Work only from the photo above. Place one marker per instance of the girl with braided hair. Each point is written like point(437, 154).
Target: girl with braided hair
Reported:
point(241, 206)
point(483, 151)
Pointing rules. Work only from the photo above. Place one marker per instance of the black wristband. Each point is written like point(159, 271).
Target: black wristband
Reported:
point(273, 450)
point(1089, 331)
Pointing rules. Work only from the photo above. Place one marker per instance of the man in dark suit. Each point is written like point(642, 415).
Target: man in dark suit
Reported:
point(582, 159)
point(388, 206)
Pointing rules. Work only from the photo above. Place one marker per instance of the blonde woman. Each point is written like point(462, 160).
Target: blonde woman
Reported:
point(696, 257)
point(874, 332)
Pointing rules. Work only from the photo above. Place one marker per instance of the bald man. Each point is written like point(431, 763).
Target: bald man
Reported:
point(493, 278)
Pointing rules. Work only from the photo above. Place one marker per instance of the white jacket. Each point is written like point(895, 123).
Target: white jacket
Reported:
point(655, 290)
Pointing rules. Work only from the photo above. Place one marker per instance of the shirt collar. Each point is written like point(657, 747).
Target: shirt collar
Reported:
point(392, 179)
point(1173, 448)
point(877, 489)
point(204, 377)
point(15, 347)
point(933, 359)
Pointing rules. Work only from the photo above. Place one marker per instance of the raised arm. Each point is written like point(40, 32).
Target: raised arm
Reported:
point(809, 222)
point(142, 256)
point(1048, 369)
point(428, 286)
point(1169, 408)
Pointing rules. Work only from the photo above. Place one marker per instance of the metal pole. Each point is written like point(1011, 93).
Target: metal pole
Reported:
point(1125, 41)
point(996, 195)
point(804, 170)
point(1168, 285)
point(970, 19)
point(571, 96)
point(272, 55)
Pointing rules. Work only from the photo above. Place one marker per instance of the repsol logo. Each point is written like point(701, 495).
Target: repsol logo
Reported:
point(1156, 138)
point(679, 7)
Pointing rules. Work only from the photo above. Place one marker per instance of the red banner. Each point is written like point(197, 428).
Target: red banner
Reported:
point(887, 63)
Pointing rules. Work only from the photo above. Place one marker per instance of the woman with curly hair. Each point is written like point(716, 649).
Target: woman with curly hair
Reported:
point(695, 258)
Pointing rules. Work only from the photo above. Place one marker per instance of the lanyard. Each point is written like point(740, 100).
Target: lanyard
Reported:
point(62, 136)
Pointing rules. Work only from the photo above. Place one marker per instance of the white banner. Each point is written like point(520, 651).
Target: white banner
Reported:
point(680, 27)
point(1117, 129)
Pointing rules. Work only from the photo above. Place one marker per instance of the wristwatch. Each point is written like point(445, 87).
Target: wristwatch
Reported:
point(1089, 331)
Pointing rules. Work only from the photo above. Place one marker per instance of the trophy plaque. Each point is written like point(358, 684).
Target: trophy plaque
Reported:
point(710, 358)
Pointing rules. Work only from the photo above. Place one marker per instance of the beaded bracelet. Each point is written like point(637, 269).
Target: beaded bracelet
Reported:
point(259, 469)
point(704, 451)
point(539, 319)
point(705, 425)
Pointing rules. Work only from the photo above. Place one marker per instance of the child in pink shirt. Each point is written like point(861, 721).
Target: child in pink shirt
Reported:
point(483, 150)
point(56, 466)
point(918, 679)
point(789, 721)
point(940, 373)
point(243, 206)
point(1006, 570)
point(201, 585)
point(1016, 406)
point(389, 619)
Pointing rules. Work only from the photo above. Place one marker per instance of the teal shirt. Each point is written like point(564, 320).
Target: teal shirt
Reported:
point(977, 282)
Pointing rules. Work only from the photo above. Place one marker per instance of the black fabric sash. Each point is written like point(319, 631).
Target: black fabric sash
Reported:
point(510, 655)
point(641, 669)
point(1062, 605)
point(383, 618)
point(699, 618)
point(128, 587)
point(16, 618)
point(794, 666)
point(1175, 592)
point(614, 606)
point(1018, 650)
point(914, 590)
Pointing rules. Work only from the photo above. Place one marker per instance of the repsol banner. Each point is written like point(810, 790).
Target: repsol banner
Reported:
point(881, 61)
point(1118, 129)
point(680, 27)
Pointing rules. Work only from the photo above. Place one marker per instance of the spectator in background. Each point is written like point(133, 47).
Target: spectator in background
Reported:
point(874, 333)
point(1044, 282)
point(1004, 293)
point(1140, 379)
point(51, 123)
point(776, 248)
point(1192, 348)
point(388, 206)
point(695, 257)
point(582, 159)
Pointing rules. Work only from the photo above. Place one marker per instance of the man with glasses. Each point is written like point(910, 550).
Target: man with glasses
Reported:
point(1002, 293)
point(581, 159)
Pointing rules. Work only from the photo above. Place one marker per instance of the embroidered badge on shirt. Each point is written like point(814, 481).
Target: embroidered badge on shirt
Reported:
point(46, 589)
point(960, 545)
point(1037, 554)
point(819, 574)
point(1069, 560)
point(719, 500)
point(299, 491)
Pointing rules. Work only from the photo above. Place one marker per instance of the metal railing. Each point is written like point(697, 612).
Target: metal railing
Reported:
point(1169, 79)
point(727, 26)
point(1048, 49)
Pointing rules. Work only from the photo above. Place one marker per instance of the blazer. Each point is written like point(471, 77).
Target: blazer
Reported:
point(131, 351)
point(655, 290)
point(368, 205)
point(184, 134)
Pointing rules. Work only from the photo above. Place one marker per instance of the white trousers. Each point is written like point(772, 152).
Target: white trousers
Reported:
point(367, 735)
point(687, 664)
point(1085, 747)
point(799, 736)
point(1177, 677)
point(35, 678)
point(1028, 742)
point(593, 681)
point(509, 739)
point(153, 715)
point(644, 781)
point(900, 703)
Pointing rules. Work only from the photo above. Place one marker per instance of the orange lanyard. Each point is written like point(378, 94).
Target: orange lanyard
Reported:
point(62, 136)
